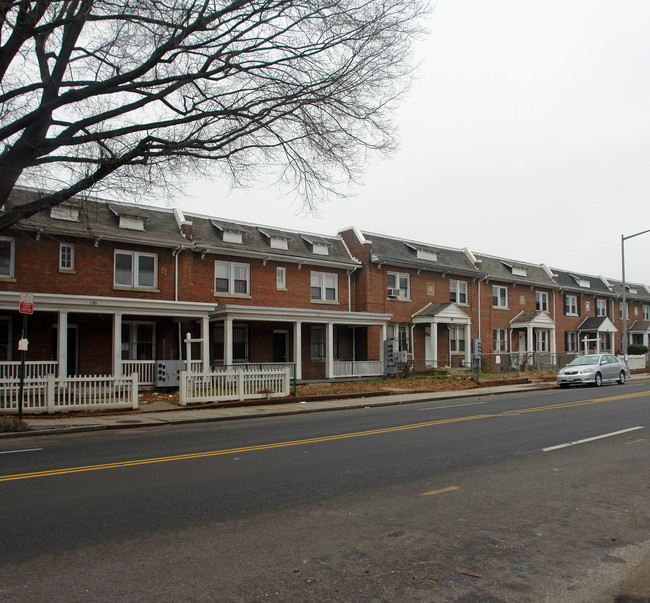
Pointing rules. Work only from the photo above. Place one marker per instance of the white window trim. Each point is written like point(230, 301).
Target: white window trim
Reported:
point(231, 279)
point(323, 288)
point(398, 277)
point(500, 288)
point(135, 276)
point(281, 278)
point(500, 342)
point(456, 336)
point(459, 288)
point(574, 305)
point(63, 268)
point(541, 300)
point(601, 304)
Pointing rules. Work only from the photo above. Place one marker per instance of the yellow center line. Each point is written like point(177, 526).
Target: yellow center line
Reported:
point(329, 438)
point(442, 491)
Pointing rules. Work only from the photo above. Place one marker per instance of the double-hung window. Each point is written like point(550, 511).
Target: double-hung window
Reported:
point(500, 340)
point(458, 291)
point(571, 305)
point(400, 333)
point(240, 344)
point(457, 339)
point(571, 341)
point(646, 312)
point(499, 296)
point(138, 270)
point(138, 340)
point(6, 257)
point(398, 285)
point(231, 278)
point(281, 277)
point(541, 300)
point(541, 341)
point(601, 307)
point(324, 286)
point(66, 257)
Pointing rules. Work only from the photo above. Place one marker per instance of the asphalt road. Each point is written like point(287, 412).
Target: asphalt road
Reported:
point(446, 501)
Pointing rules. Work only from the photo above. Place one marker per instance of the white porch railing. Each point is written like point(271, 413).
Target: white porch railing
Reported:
point(237, 383)
point(10, 369)
point(49, 394)
point(358, 368)
point(146, 369)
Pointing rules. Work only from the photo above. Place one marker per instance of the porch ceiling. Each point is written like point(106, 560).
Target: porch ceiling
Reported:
point(44, 302)
point(271, 314)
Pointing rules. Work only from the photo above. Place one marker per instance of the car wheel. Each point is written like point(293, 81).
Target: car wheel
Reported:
point(621, 378)
point(598, 380)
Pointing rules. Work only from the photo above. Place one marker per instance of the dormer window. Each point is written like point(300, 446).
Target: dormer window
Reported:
point(279, 243)
point(633, 290)
point(321, 249)
point(582, 282)
point(516, 270)
point(425, 254)
point(131, 222)
point(65, 212)
point(231, 236)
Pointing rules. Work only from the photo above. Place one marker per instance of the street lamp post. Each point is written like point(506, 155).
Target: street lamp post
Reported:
point(624, 299)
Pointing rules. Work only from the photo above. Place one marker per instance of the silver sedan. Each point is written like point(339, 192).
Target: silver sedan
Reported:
point(593, 369)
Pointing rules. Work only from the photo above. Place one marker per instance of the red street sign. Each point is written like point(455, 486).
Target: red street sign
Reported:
point(26, 305)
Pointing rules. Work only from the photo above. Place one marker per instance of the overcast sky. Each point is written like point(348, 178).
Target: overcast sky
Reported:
point(526, 136)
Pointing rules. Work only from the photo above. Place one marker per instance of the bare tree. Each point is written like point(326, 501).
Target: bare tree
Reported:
point(111, 92)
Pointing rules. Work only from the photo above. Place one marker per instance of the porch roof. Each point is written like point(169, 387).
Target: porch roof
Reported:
point(600, 324)
point(536, 319)
point(271, 314)
point(447, 312)
point(640, 326)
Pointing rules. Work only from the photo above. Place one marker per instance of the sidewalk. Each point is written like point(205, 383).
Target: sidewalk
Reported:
point(166, 413)
point(161, 413)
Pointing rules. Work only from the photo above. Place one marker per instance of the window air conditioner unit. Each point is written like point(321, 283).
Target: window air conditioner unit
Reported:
point(393, 292)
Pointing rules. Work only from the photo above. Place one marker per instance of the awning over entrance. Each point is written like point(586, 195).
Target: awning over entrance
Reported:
point(443, 314)
point(596, 325)
point(532, 321)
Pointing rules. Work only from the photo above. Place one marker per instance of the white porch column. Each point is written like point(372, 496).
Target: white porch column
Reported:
point(329, 350)
point(552, 337)
point(468, 346)
point(297, 348)
point(383, 333)
point(433, 340)
point(227, 341)
point(530, 346)
point(117, 345)
point(62, 345)
point(205, 344)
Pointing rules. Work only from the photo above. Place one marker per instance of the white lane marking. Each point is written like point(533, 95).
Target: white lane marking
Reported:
point(451, 406)
point(24, 450)
point(600, 437)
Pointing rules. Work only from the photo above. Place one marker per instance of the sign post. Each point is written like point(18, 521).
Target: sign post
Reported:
point(25, 307)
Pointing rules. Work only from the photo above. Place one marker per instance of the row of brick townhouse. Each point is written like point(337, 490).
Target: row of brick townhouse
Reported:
point(119, 286)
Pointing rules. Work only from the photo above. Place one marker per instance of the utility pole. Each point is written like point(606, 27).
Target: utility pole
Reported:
point(624, 296)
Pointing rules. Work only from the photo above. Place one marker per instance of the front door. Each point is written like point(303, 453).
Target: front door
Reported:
point(280, 344)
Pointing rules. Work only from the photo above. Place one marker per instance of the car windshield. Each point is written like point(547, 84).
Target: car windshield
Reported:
point(582, 360)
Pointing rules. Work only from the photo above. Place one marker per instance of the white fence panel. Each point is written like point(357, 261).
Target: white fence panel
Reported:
point(240, 383)
point(358, 368)
point(52, 395)
point(636, 362)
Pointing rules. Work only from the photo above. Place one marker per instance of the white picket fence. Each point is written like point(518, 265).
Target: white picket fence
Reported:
point(50, 394)
point(235, 383)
